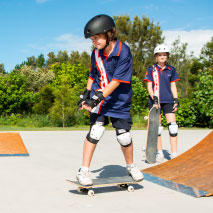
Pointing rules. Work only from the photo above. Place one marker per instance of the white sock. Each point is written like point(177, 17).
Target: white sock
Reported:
point(130, 165)
point(160, 152)
point(84, 168)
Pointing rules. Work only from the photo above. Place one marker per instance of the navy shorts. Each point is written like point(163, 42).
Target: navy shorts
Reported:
point(117, 123)
point(166, 107)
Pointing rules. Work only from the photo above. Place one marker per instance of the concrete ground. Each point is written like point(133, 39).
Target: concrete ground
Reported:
point(36, 184)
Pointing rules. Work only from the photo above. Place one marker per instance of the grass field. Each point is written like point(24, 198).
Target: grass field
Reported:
point(76, 128)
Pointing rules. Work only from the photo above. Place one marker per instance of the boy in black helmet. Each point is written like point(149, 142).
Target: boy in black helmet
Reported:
point(108, 94)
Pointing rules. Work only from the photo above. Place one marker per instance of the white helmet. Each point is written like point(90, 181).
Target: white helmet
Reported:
point(161, 48)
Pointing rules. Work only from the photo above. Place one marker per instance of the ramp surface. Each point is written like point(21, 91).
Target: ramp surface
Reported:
point(190, 173)
point(11, 144)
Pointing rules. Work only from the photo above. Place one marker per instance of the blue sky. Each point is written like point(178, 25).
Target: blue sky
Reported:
point(31, 27)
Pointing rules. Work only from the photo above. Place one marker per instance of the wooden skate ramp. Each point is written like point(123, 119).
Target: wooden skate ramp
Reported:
point(190, 173)
point(11, 144)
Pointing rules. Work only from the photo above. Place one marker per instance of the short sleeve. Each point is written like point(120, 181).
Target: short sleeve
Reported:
point(174, 76)
point(123, 71)
point(92, 67)
point(148, 76)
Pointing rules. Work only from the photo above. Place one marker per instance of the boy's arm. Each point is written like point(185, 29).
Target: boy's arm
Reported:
point(149, 88)
point(89, 84)
point(110, 88)
point(175, 96)
point(100, 95)
point(151, 93)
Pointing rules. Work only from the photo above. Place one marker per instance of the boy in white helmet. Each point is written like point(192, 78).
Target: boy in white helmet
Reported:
point(161, 85)
point(108, 94)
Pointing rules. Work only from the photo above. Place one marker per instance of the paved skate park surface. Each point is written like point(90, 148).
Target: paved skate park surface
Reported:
point(36, 183)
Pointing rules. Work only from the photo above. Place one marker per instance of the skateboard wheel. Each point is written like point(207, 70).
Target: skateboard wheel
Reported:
point(121, 186)
point(79, 189)
point(145, 117)
point(131, 189)
point(91, 193)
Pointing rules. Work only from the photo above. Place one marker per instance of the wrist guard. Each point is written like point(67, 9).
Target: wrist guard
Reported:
point(84, 96)
point(95, 100)
point(176, 101)
point(155, 100)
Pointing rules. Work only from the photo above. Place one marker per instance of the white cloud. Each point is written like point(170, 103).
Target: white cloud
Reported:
point(41, 1)
point(195, 39)
point(66, 42)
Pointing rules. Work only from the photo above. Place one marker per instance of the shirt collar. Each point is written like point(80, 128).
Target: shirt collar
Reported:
point(116, 50)
point(166, 67)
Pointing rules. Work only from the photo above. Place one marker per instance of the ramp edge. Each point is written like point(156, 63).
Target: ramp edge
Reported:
point(176, 186)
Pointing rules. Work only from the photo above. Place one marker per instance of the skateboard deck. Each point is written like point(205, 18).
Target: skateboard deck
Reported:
point(152, 135)
point(121, 182)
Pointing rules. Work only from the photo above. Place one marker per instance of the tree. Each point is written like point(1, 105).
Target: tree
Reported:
point(62, 56)
point(14, 97)
point(142, 35)
point(45, 100)
point(36, 78)
point(40, 61)
point(206, 55)
point(182, 62)
point(203, 100)
point(83, 58)
point(2, 69)
point(52, 59)
point(64, 108)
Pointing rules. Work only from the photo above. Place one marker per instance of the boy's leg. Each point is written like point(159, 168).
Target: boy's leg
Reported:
point(128, 154)
point(88, 151)
point(96, 132)
point(124, 138)
point(159, 145)
point(173, 129)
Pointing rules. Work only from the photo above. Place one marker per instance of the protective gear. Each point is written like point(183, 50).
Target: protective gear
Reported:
point(99, 24)
point(96, 132)
point(176, 101)
point(173, 129)
point(160, 129)
point(135, 173)
point(123, 137)
point(95, 100)
point(162, 48)
point(83, 177)
point(155, 100)
point(84, 96)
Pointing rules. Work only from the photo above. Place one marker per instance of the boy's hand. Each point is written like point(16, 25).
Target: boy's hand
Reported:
point(176, 104)
point(155, 102)
point(83, 97)
point(95, 100)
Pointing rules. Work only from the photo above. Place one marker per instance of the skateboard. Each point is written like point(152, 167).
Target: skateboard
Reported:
point(152, 135)
point(124, 182)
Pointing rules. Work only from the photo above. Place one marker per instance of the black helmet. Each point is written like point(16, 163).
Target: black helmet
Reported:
point(98, 25)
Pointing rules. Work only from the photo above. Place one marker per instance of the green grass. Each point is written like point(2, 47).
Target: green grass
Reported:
point(77, 128)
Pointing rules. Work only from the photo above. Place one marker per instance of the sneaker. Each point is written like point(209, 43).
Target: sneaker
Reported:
point(135, 173)
point(173, 155)
point(160, 158)
point(83, 177)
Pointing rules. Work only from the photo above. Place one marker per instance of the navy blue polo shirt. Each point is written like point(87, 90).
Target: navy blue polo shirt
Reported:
point(166, 77)
point(118, 66)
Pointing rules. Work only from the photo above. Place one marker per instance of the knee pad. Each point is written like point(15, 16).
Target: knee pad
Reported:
point(123, 137)
point(173, 129)
point(96, 132)
point(160, 129)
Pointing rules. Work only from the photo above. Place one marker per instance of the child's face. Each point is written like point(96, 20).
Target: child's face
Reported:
point(99, 41)
point(161, 57)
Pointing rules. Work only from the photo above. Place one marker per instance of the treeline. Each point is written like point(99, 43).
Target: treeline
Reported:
point(44, 91)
